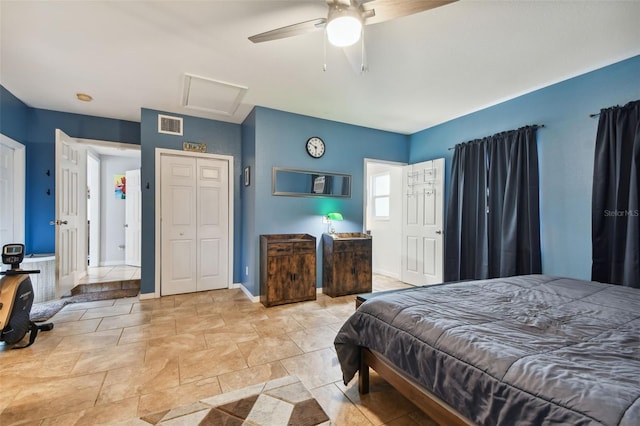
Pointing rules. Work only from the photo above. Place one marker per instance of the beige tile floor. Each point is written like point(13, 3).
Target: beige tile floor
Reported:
point(109, 361)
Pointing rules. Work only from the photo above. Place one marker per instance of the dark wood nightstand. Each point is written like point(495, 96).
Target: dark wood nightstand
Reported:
point(287, 268)
point(346, 264)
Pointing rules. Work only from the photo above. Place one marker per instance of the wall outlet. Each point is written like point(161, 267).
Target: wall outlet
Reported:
point(325, 219)
point(246, 270)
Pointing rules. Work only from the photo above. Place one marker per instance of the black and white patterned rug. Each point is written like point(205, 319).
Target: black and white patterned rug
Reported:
point(284, 401)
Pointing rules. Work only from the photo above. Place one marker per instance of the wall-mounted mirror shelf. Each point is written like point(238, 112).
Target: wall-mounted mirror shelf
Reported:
point(310, 183)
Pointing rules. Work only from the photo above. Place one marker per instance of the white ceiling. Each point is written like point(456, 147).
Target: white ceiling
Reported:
point(424, 69)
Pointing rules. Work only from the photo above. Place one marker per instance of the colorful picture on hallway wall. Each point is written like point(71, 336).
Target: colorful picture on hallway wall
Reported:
point(120, 184)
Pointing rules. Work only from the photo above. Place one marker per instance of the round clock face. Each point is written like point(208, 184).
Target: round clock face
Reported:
point(315, 147)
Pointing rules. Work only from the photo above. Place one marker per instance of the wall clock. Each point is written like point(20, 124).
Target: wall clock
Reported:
point(315, 147)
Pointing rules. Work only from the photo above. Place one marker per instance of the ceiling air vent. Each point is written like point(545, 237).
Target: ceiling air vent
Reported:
point(214, 96)
point(169, 125)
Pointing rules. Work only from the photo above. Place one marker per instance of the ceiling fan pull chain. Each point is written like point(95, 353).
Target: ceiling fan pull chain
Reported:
point(363, 67)
point(324, 62)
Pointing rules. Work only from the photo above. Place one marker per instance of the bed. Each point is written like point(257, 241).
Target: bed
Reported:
point(529, 349)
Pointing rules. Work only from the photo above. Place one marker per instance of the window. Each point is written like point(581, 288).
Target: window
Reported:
point(380, 195)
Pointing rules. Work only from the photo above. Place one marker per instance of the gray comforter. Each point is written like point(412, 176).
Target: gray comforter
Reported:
point(522, 350)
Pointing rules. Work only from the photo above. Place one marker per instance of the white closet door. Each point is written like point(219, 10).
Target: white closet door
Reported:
point(195, 224)
point(179, 244)
point(213, 224)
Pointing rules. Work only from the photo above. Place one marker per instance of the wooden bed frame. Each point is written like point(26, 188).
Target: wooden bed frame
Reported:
point(430, 404)
point(426, 401)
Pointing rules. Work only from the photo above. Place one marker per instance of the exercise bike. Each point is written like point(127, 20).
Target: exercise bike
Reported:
point(16, 299)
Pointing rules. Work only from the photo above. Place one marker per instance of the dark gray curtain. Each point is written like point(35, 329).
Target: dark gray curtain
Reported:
point(465, 231)
point(493, 220)
point(616, 189)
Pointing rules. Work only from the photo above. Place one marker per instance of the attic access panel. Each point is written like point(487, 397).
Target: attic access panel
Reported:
point(205, 94)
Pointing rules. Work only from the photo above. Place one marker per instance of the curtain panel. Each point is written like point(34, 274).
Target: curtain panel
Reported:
point(616, 189)
point(493, 218)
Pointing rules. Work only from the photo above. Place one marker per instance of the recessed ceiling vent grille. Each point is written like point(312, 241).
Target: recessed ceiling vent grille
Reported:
point(169, 125)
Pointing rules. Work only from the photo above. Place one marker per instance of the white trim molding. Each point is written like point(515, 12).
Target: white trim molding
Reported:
point(19, 187)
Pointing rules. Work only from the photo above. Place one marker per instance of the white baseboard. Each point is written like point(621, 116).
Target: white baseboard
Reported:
point(113, 263)
point(254, 299)
point(388, 274)
point(147, 296)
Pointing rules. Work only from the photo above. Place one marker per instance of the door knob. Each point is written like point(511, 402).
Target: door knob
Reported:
point(58, 222)
point(439, 232)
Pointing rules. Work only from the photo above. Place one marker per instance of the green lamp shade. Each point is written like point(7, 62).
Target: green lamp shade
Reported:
point(335, 216)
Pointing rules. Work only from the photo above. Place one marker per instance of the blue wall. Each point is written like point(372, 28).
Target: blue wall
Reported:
point(220, 138)
point(279, 140)
point(35, 128)
point(13, 116)
point(270, 138)
point(249, 200)
point(40, 206)
point(565, 148)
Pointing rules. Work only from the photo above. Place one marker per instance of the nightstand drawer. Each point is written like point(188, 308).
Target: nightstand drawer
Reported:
point(304, 248)
point(279, 249)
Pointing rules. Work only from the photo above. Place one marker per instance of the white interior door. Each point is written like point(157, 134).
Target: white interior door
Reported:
point(212, 224)
point(133, 226)
point(93, 208)
point(423, 216)
point(71, 212)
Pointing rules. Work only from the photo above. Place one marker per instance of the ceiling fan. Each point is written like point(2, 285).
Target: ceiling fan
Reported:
point(346, 18)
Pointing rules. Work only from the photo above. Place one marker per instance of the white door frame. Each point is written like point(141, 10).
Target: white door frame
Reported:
point(158, 234)
point(19, 171)
point(367, 205)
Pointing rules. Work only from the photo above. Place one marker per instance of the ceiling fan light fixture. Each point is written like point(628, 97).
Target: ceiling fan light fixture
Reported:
point(344, 27)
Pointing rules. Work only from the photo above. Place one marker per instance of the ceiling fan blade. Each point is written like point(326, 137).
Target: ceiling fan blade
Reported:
point(386, 10)
point(290, 30)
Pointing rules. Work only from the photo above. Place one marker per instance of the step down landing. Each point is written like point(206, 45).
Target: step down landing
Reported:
point(114, 289)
